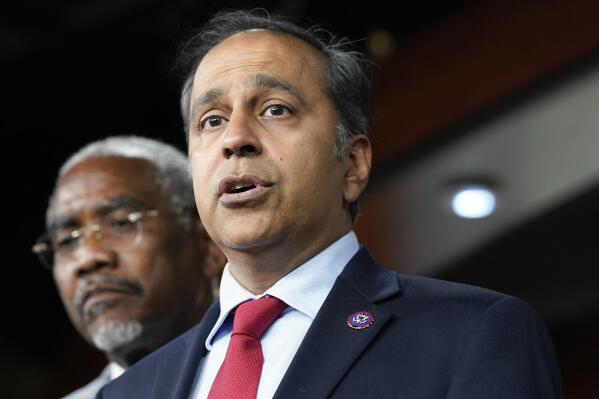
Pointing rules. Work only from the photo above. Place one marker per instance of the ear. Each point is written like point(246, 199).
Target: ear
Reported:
point(359, 160)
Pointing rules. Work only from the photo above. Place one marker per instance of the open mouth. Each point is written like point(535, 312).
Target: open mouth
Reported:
point(97, 292)
point(237, 185)
point(102, 294)
point(238, 190)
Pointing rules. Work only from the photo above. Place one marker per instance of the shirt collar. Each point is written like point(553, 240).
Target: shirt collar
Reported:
point(304, 289)
point(115, 370)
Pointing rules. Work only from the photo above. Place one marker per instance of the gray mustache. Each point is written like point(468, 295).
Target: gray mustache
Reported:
point(101, 279)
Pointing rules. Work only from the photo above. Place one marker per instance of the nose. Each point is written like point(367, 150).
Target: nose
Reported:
point(241, 138)
point(92, 256)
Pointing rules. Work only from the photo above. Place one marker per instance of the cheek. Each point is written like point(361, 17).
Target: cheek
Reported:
point(163, 253)
point(65, 286)
point(203, 165)
point(318, 182)
point(143, 262)
point(202, 196)
point(202, 186)
point(204, 148)
point(310, 165)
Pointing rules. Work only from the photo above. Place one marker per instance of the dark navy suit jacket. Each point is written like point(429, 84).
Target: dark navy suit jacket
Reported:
point(430, 339)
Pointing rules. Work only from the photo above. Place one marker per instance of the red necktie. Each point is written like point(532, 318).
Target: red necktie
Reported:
point(239, 375)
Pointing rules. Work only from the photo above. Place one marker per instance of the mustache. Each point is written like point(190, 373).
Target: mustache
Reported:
point(246, 167)
point(120, 283)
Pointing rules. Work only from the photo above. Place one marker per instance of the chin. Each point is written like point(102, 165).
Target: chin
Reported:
point(249, 242)
point(247, 229)
point(113, 334)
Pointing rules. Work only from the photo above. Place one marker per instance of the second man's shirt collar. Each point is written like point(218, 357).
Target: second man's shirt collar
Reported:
point(303, 289)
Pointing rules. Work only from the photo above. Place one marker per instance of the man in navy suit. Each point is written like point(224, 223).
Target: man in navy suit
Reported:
point(277, 120)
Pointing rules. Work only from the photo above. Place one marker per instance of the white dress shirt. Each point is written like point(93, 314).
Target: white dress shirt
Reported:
point(89, 391)
point(304, 290)
point(115, 370)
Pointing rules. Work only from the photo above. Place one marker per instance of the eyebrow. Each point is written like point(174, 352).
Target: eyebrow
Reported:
point(270, 82)
point(208, 97)
point(258, 80)
point(104, 207)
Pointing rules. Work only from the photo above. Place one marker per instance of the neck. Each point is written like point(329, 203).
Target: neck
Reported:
point(126, 358)
point(259, 269)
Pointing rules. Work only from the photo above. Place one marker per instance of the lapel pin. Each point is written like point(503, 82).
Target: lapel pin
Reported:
point(360, 320)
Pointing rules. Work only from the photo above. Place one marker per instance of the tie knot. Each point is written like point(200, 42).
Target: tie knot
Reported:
point(254, 317)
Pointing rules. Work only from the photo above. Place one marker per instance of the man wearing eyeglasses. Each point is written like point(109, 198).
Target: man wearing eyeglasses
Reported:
point(130, 258)
point(277, 121)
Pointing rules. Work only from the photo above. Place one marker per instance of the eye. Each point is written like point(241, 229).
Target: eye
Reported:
point(66, 239)
point(122, 225)
point(277, 110)
point(211, 121)
point(65, 242)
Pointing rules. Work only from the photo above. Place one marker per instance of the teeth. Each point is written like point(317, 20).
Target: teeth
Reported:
point(241, 187)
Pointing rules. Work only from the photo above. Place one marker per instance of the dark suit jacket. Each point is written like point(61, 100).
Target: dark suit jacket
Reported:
point(430, 339)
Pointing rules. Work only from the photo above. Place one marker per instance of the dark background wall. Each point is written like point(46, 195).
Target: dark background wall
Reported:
point(76, 71)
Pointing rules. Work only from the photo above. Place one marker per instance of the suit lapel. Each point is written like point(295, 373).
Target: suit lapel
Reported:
point(176, 373)
point(331, 346)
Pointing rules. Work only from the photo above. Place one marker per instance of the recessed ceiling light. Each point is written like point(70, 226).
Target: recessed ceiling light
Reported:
point(473, 202)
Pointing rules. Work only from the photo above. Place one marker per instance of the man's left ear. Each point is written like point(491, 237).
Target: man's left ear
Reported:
point(359, 158)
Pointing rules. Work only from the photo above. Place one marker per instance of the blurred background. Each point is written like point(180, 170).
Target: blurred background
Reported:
point(486, 150)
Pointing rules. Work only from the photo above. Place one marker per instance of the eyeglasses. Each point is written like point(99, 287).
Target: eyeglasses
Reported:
point(62, 244)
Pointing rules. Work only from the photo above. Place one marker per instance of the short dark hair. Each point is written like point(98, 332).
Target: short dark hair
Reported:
point(346, 82)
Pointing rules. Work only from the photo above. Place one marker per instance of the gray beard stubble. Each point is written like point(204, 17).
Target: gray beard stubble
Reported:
point(115, 334)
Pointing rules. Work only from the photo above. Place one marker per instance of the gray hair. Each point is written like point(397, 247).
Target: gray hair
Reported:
point(346, 82)
point(171, 170)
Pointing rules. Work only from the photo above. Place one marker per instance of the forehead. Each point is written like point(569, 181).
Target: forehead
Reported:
point(98, 179)
point(258, 52)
